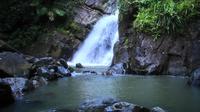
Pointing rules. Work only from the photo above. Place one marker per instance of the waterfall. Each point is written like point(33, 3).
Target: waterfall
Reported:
point(97, 49)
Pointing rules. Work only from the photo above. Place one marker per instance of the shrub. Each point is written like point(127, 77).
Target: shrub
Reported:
point(158, 17)
point(23, 21)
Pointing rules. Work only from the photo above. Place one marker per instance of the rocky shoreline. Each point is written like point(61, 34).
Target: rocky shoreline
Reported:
point(21, 74)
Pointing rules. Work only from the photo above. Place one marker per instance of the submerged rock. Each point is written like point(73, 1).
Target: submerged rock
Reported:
point(195, 78)
point(6, 96)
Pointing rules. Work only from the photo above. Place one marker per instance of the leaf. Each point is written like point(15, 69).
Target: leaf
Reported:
point(42, 11)
point(59, 12)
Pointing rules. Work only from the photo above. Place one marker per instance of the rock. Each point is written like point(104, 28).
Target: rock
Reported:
point(6, 97)
point(50, 68)
point(120, 107)
point(171, 55)
point(140, 109)
point(102, 6)
point(89, 72)
point(3, 74)
point(54, 76)
point(63, 63)
point(56, 44)
point(44, 61)
point(116, 69)
point(34, 83)
point(13, 64)
point(194, 80)
point(79, 65)
point(63, 71)
point(71, 69)
point(96, 105)
point(157, 109)
point(17, 85)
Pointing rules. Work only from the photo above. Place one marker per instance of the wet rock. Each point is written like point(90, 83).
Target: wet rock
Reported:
point(54, 76)
point(140, 109)
point(96, 105)
point(34, 83)
point(17, 85)
point(195, 78)
point(50, 68)
point(13, 64)
point(6, 96)
point(79, 65)
point(116, 69)
point(157, 109)
point(112, 105)
point(120, 107)
point(63, 62)
point(63, 71)
point(71, 69)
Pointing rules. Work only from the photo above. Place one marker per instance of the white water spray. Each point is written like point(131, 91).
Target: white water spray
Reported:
point(97, 49)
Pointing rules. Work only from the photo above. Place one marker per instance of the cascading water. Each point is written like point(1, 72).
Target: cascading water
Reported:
point(97, 49)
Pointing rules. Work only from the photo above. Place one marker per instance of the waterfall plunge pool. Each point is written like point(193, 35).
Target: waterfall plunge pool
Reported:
point(170, 93)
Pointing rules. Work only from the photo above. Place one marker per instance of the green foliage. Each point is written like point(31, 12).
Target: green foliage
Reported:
point(54, 8)
point(24, 37)
point(23, 21)
point(158, 17)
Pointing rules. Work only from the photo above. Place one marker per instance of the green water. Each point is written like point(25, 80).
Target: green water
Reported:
point(170, 93)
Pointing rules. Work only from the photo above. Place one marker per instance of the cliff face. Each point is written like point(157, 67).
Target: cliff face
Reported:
point(59, 44)
point(175, 55)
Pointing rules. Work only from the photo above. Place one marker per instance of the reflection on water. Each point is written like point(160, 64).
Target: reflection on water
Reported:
point(170, 93)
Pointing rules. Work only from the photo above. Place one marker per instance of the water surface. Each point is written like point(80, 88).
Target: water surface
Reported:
point(170, 93)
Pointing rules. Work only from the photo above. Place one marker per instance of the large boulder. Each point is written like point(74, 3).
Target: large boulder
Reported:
point(6, 96)
point(49, 68)
point(13, 64)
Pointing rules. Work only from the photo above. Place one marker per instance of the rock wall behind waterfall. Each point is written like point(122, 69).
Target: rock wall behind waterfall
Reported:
point(168, 55)
point(58, 44)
